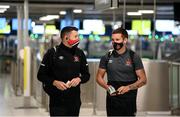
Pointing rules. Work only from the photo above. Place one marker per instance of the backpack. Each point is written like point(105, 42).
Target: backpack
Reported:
point(49, 89)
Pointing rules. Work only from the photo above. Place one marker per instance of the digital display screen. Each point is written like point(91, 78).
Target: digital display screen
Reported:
point(64, 23)
point(164, 25)
point(15, 24)
point(51, 29)
point(5, 30)
point(143, 27)
point(38, 29)
point(94, 26)
point(2, 23)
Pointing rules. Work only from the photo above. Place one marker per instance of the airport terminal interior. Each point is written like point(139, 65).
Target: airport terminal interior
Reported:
point(28, 28)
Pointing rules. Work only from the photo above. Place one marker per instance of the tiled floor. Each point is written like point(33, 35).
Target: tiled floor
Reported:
point(11, 105)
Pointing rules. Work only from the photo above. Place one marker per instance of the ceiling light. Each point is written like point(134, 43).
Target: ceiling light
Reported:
point(53, 16)
point(49, 17)
point(146, 11)
point(44, 18)
point(62, 12)
point(2, 10)
point(4, 6)
point(113, 8)
point(134, 13)
point(77, 10)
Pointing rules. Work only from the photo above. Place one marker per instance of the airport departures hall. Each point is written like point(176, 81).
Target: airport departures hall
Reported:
point(29, 28)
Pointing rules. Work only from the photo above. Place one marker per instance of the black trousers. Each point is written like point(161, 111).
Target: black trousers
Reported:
point(120, 106)
point(64, 107)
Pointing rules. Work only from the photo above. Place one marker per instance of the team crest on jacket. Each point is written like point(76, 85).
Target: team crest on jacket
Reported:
point(128, 62)
point(76, 59)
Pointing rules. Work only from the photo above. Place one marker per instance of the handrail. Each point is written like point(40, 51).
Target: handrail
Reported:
point(174, 77)
point(174, 63)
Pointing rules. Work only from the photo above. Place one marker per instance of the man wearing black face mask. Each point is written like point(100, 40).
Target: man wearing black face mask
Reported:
point(117, 46)
point(125, 74)
point(62, 70)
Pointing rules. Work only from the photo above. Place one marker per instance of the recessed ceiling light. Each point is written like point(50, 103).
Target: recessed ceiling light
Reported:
point(77, 10)
point(146, 11)
point(4, 6)
point(134, 13)
point(62, 12)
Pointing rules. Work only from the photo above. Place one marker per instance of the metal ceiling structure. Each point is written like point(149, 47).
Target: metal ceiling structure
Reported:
point(39, 8)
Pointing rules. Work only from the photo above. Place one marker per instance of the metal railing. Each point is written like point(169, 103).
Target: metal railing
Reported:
point(174, 83)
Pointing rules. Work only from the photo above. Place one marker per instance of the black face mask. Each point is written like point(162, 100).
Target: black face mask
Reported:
point(117, 46)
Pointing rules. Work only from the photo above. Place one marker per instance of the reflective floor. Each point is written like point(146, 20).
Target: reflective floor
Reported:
point(11, 105)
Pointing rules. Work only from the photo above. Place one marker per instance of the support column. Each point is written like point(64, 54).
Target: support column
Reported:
point(20, 46)
point(27, 52)
point(124, 13)
point(26, 17)
point(27, 60)
point(20, 31)
point(153, 34)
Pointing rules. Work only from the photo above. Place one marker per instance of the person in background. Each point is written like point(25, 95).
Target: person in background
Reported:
point(63, 69)
point(125, 74)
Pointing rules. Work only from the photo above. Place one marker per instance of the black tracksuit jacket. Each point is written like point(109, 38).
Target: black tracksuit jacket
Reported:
point(63, 64)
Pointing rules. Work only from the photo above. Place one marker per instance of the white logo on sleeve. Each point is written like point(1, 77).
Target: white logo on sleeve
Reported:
point(110, 61)
point(61, 57)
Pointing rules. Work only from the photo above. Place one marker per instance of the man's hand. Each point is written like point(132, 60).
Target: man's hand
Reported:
point(60, 85)
point(74, 82)
point(123, 89)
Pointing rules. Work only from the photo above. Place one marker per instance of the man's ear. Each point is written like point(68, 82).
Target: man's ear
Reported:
point(66, 37)
point(125, 40)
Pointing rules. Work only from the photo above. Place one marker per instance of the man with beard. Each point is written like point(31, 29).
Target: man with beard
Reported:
point(125, 74)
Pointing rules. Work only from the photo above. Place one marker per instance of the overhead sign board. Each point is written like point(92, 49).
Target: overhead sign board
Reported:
point(105, 4)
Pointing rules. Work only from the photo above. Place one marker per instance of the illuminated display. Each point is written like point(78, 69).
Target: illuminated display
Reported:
point(51, 29)
point(5, 30)
point(164, 25)
point(94, 26)
point(38, 29)
point(15, 24)
point(143, 27)
point(64, 23)
point(167, 26)
point(2, 23)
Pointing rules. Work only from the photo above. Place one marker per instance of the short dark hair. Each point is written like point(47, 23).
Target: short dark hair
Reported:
point(121, 31)
point(66, 30)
